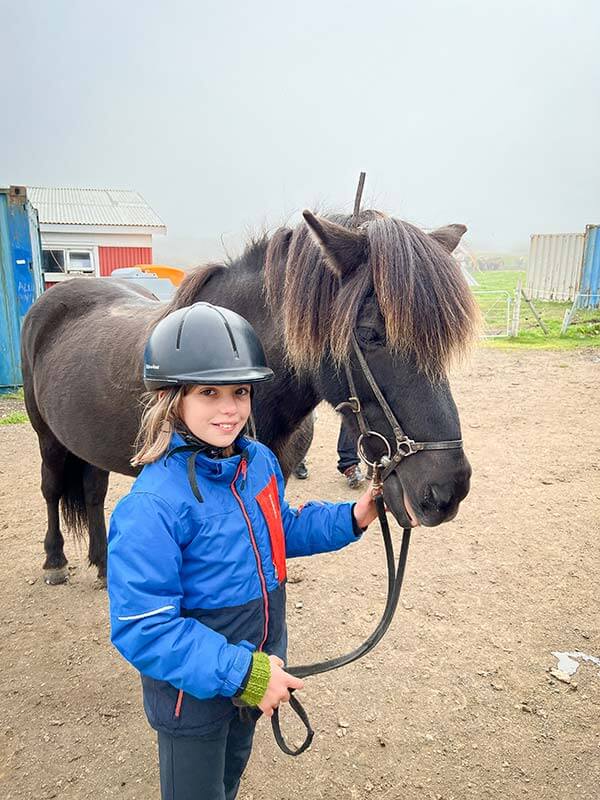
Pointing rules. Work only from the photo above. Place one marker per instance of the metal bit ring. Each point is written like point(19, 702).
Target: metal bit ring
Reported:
point(361, 450)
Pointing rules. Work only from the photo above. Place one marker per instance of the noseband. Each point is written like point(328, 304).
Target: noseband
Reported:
point(382, 468)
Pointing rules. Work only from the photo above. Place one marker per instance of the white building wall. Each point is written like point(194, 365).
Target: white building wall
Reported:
point(63, 239)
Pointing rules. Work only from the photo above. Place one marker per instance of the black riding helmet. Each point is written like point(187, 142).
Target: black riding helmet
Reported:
point(204, 344)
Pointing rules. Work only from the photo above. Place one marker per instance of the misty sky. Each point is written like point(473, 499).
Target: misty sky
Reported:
point(228, 116)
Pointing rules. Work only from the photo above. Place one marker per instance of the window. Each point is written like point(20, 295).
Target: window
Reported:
point(53, 260)
point(69, 261)
point(80, 261)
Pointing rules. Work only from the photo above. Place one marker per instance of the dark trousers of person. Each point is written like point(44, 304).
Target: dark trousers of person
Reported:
point(205, 767)
point(346, 448)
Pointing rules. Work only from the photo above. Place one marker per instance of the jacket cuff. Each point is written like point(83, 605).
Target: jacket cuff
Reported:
point(237, 673)
point(258, 680)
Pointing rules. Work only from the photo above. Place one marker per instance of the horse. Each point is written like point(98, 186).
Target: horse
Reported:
point(307, 290)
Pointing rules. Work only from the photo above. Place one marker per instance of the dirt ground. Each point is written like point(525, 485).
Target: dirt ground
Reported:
point(456, 702)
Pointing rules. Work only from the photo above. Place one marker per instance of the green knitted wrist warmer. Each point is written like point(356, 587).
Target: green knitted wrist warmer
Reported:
point(260, 674)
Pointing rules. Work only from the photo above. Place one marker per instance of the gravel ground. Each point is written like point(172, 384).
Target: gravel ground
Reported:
point(458, 700)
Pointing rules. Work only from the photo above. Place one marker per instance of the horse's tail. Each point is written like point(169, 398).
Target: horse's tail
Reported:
point(72, 500)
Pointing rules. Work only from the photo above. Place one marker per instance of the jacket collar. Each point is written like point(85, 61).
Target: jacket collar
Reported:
point(214, 468)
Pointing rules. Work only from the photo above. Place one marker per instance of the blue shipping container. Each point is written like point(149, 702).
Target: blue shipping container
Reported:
point(20, 277)
point(589, 288)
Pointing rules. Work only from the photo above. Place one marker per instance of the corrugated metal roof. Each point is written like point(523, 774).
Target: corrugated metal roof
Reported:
point(93, 207)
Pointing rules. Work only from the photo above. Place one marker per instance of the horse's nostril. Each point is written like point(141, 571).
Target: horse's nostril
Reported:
point(438, 498)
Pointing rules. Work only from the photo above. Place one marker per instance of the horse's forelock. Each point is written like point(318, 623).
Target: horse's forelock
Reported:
point(425, 301)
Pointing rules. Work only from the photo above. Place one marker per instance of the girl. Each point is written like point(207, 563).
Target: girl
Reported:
point(197, 549)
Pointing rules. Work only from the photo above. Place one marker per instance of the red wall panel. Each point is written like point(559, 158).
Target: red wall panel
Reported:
point(114, 257)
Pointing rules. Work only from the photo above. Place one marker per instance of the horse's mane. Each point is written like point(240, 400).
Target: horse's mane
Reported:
point(251, 260)
point(427, 306)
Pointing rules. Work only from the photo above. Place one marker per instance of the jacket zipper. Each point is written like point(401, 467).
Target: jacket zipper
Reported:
point(263, 583)
point(178, 704)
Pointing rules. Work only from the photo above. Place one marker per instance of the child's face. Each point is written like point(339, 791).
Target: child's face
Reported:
point(216, 414)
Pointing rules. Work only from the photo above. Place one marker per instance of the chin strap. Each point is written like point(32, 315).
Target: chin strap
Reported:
point(193, 445)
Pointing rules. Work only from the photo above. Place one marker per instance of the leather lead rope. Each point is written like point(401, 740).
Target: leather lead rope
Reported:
point(395, 579)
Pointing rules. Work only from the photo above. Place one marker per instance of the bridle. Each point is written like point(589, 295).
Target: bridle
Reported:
point(405, 446)
point(382, 468)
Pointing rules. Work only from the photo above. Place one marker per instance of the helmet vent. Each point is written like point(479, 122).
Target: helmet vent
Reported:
point(228, 329)
point(180, 331)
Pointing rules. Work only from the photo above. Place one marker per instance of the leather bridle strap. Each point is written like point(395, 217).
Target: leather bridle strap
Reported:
point(405, 446)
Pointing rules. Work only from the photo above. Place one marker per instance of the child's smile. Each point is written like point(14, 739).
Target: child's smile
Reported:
point(216, 414)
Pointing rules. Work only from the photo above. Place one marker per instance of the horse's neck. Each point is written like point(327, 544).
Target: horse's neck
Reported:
point(285, 401)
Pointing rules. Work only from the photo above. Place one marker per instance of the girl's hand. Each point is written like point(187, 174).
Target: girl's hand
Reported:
point(278, 690)
point(365, 510)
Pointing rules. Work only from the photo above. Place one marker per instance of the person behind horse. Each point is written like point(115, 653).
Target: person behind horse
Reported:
point(348, 461)
point(197, 553)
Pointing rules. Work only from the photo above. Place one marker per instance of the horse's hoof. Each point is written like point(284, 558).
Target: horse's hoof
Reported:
point(56, 576)
point(100, 583)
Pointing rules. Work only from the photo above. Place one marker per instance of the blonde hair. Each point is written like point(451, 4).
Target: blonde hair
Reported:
point(161, 412)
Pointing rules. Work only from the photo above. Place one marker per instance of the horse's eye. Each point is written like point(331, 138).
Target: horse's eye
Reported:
point(368, 336)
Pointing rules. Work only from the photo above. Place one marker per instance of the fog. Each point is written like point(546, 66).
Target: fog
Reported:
point(232, 117)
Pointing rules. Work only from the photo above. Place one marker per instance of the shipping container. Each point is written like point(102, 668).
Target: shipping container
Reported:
point(589, 287)
point(554, 265)
point(20, 277)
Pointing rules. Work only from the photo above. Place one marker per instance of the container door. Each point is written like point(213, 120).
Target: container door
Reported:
point(589, 290)
point(36, 249)
point(10, 374)
point(22, 254)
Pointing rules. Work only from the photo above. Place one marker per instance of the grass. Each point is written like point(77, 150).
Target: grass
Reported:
point(14, 418)
point(18, 395)
point(584, 330)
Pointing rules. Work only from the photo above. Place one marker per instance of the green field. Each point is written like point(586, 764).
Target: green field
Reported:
point(584, 330)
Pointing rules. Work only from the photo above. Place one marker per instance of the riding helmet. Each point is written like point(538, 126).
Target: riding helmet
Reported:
point(204, 344)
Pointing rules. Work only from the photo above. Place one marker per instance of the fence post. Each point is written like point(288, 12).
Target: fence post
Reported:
point(540, 321)
point(568, 316)
point(516, 318)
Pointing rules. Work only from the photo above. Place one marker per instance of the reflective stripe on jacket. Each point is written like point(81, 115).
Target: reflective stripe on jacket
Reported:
point(194, 587)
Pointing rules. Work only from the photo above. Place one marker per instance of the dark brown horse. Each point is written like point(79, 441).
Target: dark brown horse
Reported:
point(304, 290)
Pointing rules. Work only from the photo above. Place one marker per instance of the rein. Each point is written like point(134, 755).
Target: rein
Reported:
point(382, 468)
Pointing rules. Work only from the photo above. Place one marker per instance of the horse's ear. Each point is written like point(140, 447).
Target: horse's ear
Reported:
point(344, 249)
point(449, 236)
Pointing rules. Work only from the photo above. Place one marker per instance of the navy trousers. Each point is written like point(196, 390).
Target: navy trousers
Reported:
point(346, 448)
point(205, 767)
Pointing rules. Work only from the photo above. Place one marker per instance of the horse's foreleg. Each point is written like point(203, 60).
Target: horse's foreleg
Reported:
point(293, 450)
point(53, 463)
point(95, 486)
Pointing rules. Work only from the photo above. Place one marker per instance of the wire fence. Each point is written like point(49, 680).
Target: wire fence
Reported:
point(512, 313)
point(496, 311)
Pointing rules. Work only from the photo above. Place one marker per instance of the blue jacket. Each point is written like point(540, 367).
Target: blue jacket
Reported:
point(194, 587)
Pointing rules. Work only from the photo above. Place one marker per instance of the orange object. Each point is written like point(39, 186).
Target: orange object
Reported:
point(174, 274)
